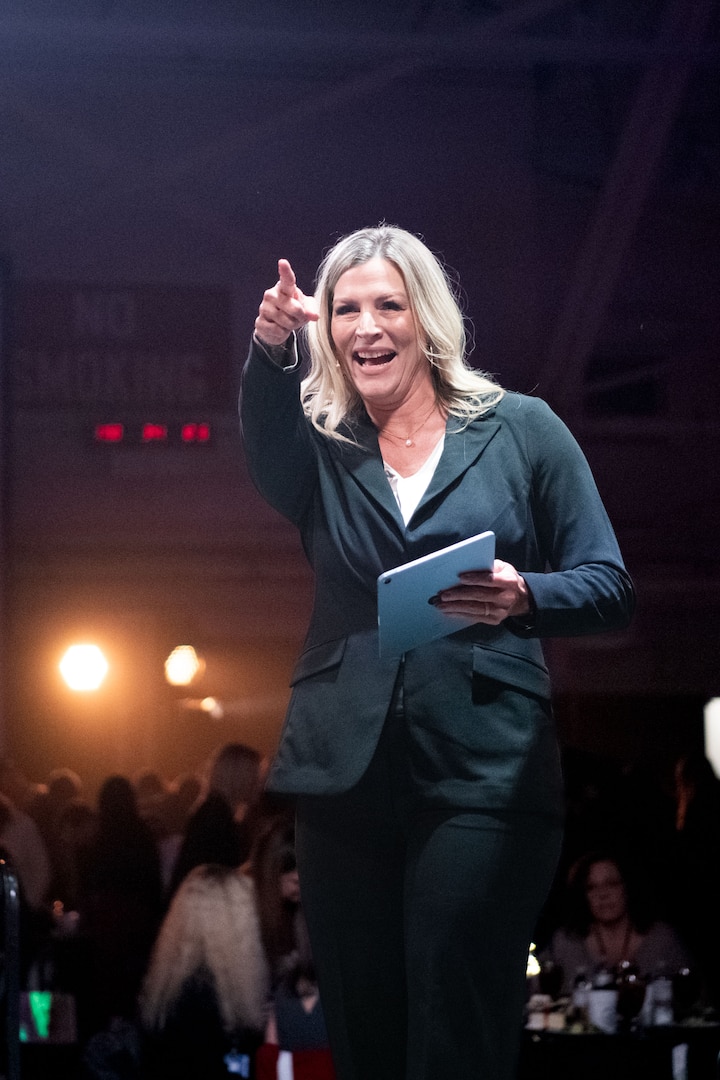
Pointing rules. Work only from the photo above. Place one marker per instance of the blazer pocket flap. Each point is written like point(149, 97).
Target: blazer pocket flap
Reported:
point(511, 668)
point(317, 659)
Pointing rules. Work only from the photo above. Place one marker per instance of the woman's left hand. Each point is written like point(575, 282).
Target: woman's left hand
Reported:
point(489, 596)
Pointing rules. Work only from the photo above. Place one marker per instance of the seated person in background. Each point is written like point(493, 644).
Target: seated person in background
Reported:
point(296, 1020)
point(273, 868)
point(206, 990)
point(296, 1025)
point(605, 927)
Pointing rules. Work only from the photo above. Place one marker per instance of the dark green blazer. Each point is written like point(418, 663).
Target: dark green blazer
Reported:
point(478, 700)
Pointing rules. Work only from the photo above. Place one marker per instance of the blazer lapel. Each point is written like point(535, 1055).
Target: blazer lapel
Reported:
point(363, 461)
point(461, 450)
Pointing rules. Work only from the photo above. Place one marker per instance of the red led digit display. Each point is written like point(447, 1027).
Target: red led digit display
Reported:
point(191, 433)
point(109, 433)
point(154, 432)
point(195, 433)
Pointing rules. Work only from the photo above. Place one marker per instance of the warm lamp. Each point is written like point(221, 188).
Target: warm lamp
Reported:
point(83, 667)
point(183, 665)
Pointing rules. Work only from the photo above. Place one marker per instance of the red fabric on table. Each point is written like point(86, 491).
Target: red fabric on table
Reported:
point(307, 1064)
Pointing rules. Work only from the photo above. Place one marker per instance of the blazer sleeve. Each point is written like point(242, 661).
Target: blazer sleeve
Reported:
point(279, 447)
point(585, 588)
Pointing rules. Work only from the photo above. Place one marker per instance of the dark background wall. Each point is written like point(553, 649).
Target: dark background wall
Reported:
point(562, 157)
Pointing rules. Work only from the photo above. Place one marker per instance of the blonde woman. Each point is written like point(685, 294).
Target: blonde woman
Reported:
point(204, 1001)
point(428, 785)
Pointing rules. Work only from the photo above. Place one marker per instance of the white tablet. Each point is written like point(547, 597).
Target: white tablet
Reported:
point(405, 617)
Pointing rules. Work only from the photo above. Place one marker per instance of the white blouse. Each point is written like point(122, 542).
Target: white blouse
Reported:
point(409, 490)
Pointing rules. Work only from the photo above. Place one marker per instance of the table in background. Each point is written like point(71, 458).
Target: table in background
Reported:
point(647, 1055)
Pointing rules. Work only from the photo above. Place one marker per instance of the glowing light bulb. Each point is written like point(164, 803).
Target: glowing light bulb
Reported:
point(83, 667)
point(182, 665)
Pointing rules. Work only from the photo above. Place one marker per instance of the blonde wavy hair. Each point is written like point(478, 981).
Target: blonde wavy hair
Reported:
point(211, 928)
point(328, 396)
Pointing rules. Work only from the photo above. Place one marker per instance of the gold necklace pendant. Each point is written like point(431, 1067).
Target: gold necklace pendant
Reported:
point(408, 439)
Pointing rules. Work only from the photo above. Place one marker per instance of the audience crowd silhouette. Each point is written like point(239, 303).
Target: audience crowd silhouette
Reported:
point(169, 911)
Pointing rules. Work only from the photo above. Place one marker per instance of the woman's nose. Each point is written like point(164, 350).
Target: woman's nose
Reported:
point(366, 323)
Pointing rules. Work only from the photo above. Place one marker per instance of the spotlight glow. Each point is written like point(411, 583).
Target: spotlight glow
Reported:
point(182, 665)
point(83, 667)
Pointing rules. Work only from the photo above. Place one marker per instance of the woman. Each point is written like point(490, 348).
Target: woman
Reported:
point(428, 788)
point(220, 829)
point(120, 904)
point(205, 996)
point(296, 1025)
point(606, 926)
point(273, 868)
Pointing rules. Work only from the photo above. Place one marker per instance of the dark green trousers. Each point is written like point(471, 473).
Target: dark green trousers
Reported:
point(420, 918)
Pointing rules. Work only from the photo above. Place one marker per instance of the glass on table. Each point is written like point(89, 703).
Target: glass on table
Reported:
point(630, 996)
point(686, 987)
point(550, 979)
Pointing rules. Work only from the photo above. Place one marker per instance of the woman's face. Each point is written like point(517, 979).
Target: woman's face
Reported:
point(375, 335)
point(606, 894)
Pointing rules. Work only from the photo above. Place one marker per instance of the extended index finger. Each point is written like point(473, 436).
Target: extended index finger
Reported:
point(286, 275)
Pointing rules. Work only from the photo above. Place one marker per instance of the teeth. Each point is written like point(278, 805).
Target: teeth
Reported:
point(367, 356)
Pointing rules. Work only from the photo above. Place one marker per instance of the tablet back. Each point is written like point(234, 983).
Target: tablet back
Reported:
point(405, 618)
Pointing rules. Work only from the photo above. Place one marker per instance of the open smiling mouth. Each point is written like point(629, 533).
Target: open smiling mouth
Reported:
point(365, 359)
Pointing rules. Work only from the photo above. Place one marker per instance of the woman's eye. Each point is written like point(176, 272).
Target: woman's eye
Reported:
point(344, 309)
point(391, 305)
